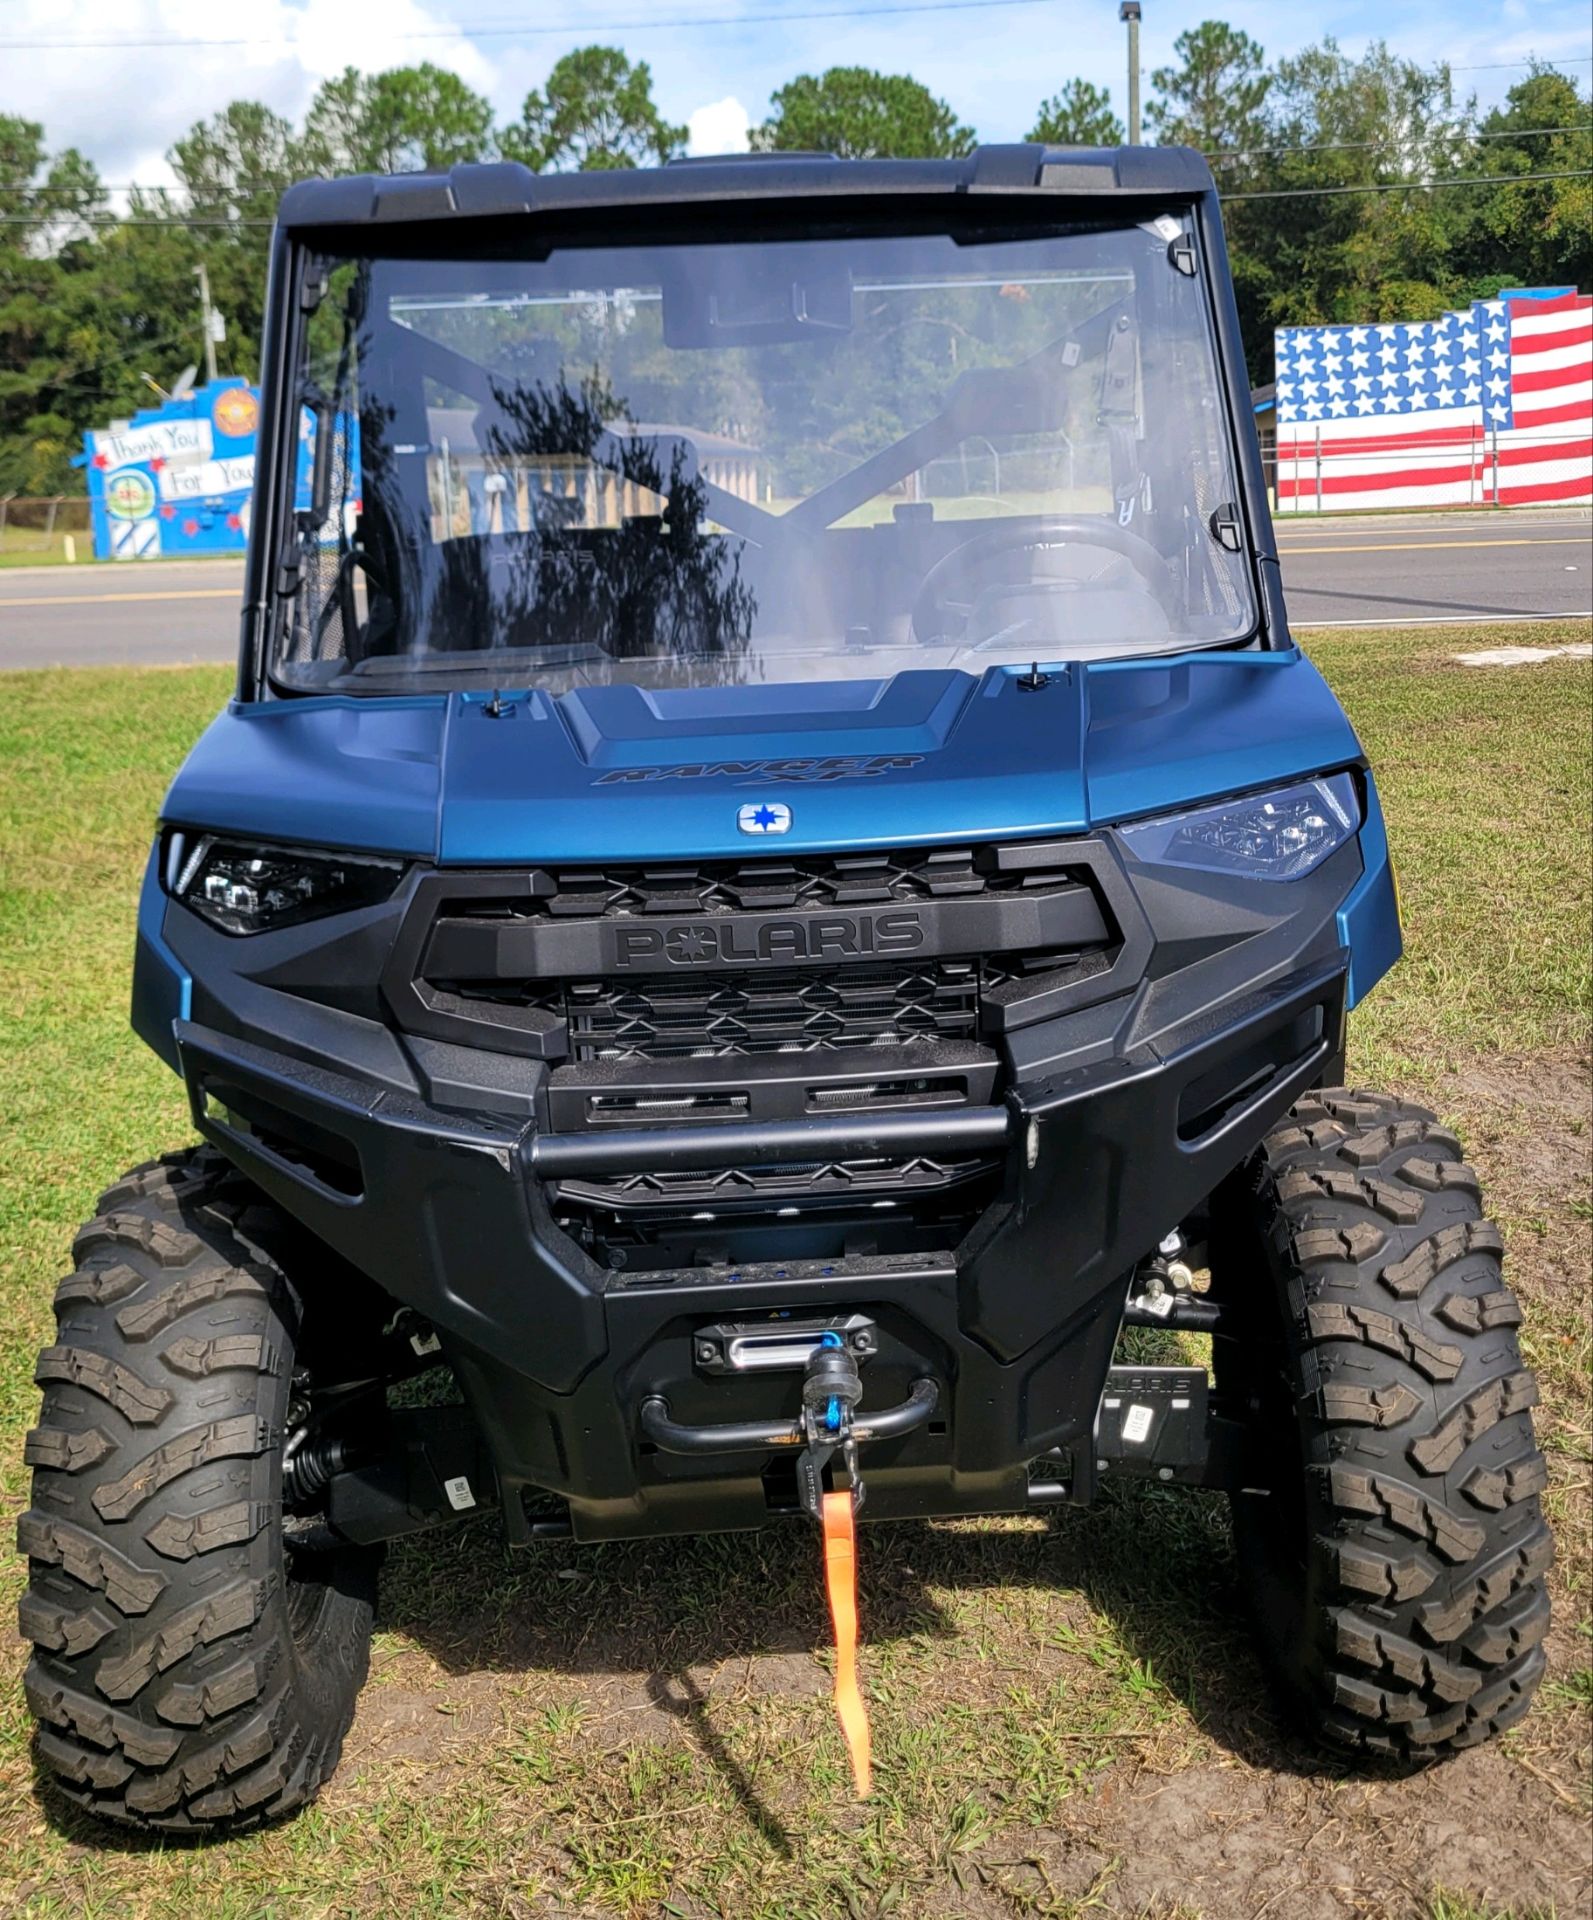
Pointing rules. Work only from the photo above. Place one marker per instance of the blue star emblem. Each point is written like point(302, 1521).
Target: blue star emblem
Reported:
point(764, 816)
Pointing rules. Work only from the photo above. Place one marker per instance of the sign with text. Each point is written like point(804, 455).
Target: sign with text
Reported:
point(207, 477)
point(160, 440)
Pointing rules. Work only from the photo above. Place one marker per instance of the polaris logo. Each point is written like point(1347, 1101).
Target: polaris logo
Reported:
point(768, 816)
point(754, 943)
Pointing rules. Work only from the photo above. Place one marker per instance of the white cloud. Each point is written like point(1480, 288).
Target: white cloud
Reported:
point(720, 127)
point(124, 105)
point(329, 35)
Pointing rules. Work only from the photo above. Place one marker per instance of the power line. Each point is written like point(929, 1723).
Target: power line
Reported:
point(1512, 66)
point(493, 31)
point(1458, 130)
point(244, 190)
point(59, 376)
point(1411, 186)
point(108, 218)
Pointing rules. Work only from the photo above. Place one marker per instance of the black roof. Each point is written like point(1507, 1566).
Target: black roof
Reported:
point(505, 187)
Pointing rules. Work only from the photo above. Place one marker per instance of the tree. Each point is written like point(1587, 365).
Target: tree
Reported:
point(408, 120)
point(232, 169)
point(859, 115)
point(333, 128)
point(44, 203)
point(596, 111)
point(1215, 98)
point(243, 156)
point(1079, 116)
point(1343, 123)
point(1532, 232)
point(41, 197)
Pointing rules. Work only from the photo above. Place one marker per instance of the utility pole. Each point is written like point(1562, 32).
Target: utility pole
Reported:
point(207, 317)
point(1128, 12)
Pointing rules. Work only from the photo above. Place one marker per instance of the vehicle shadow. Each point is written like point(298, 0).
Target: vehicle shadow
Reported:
point(1154, 1565)
point(659, 1618)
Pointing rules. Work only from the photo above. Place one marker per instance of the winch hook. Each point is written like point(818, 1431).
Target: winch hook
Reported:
point(831, 1389)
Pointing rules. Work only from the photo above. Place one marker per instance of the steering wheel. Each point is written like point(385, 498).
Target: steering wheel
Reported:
point(933, 602)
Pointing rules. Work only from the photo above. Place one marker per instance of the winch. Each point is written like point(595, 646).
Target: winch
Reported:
point(829, 1431)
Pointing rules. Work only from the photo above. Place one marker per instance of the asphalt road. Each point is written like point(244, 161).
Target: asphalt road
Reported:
point(1396, 569)
point(1377, 571)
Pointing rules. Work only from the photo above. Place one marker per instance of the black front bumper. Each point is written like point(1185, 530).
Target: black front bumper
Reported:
point(1100, 1157)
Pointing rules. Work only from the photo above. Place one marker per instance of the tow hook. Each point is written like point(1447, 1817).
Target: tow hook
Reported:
point(831, 1389)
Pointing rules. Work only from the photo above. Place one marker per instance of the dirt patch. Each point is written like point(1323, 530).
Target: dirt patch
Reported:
point(1226, 1840)
point(1531, 1120)
point(1527, 1125)
point(418, 1727)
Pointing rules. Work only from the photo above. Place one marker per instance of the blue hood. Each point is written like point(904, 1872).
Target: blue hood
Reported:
point(624, 772)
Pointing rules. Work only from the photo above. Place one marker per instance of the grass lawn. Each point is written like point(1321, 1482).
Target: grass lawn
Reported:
point(25, 547)
point(1068, 1718)
point(28, 547)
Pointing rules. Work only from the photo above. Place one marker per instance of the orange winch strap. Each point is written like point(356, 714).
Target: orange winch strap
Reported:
point(840, 1580)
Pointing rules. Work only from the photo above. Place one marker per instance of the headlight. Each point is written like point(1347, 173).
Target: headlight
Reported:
point(244, 889)
point(1267, 836)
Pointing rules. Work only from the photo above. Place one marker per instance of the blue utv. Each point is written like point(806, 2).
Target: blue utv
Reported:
point(773, 880)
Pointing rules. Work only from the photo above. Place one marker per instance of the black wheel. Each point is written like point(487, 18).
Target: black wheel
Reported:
point(1393, 1545)
point(187, 1674)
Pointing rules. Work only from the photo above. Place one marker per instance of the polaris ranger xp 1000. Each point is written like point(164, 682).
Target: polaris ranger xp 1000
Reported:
point(773, 880)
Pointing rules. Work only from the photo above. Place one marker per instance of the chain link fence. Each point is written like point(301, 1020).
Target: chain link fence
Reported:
point(39, 527)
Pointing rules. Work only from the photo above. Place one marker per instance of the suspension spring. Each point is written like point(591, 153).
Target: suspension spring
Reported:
point(308, 1464)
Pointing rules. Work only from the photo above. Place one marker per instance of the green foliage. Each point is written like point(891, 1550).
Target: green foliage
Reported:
point(1352, 141)
point(1080, 115)
point(1534, 233)
point(861, 115)
point(240, 159)
point(597, 111)
point(1335, 123)
point(39, 197)
point(90, 303)
point(404, 121)
point(1214, 97)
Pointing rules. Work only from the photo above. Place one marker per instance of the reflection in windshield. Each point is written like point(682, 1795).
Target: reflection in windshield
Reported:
point(697, 464)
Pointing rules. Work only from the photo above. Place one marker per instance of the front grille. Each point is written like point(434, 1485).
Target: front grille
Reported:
point(875, 1181)
point(707, 995)
point(809, 880)
point(727, 1016)
point(806, 954)
point(717, 1219)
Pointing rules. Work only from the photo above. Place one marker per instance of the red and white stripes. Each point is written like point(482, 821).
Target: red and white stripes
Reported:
point(1547, 454)
point(1340, 465)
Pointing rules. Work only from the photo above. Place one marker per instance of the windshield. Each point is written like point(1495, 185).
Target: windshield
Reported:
point(762, 461)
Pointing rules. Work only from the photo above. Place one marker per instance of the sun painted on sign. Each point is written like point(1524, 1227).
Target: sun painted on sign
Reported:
point(237, 412)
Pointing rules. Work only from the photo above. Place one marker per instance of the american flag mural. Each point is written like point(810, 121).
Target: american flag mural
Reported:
point(1493, 405)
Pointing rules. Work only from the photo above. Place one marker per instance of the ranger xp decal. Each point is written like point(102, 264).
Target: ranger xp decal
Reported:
point(834, 766)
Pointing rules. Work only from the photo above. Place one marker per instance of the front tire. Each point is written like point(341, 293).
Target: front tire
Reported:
point(187, 1675)
point(1393, 1545)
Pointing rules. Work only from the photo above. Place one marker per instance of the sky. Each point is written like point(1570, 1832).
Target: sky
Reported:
point(124, 105)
